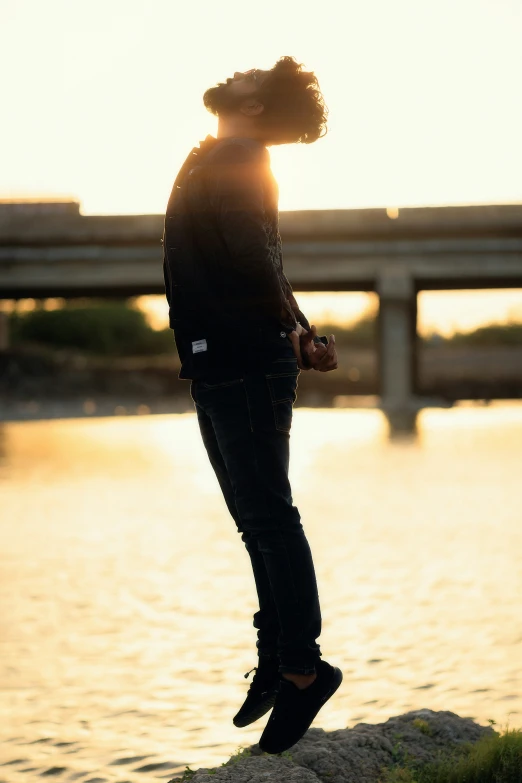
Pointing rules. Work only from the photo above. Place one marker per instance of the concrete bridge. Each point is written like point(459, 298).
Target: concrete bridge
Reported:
point(51, 250)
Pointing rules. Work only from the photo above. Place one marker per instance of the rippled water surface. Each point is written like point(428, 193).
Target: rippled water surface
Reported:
point(126, 595)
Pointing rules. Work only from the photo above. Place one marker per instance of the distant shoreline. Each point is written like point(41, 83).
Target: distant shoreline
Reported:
point(49, 384)
point(12, 410)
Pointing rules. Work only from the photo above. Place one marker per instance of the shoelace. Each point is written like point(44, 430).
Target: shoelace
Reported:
point(257, 680)
point(253, 684)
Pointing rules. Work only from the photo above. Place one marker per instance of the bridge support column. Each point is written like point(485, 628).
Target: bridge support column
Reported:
point(397, 348)
point(4, 331)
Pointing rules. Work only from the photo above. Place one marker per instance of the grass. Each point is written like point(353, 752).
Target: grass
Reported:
point(241, 753)
point(493, 759)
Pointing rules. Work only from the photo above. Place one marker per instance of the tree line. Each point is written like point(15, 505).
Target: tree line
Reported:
point(119, 328)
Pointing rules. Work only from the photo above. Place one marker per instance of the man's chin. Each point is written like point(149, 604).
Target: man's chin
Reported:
point(212, 99)
point(217, 100)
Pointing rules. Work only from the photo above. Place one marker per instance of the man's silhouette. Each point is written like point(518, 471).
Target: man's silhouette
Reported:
point(243, 342)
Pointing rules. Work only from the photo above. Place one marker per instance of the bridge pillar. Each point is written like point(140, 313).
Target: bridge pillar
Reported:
point(4, 331)
point(397, 348)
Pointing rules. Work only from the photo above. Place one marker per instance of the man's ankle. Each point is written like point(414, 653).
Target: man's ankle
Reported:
point(302, 681)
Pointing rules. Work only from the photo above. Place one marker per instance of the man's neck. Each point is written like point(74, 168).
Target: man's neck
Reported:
point(236, 128)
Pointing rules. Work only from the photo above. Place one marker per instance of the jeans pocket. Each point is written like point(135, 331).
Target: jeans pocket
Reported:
point(283, 364)
point(283, 393)
point(219, 384)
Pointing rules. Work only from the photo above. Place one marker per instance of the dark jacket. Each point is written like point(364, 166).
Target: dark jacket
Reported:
point(230, 303)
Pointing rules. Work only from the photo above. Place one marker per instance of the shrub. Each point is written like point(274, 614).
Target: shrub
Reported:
point(111, 328)
point(493, 759)
point(493, 334)
point(360, 334)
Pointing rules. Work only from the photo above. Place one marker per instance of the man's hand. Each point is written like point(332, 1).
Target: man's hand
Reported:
point(310, 355)
point(295, 338)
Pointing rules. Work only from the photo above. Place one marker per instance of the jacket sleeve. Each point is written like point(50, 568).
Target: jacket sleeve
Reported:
point(236, 189)
point(299, 315)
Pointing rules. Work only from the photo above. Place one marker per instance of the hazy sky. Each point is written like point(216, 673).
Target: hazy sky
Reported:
point(101, 99)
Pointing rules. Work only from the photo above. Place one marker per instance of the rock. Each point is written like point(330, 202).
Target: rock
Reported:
point(264, 769)
point(352, 755)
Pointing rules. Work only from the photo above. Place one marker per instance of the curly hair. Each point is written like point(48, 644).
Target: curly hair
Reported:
point(294, 107)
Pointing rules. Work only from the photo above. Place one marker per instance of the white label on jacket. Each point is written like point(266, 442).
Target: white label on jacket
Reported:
point(199, 345)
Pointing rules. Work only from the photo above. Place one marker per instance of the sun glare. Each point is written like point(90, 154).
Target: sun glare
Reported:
point(421, 111)
point(443, 312)
point(118, 99)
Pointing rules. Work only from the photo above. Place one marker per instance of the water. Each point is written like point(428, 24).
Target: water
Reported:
point(126, 596)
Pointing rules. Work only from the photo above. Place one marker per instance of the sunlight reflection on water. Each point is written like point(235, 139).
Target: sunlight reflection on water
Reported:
point(126, 596)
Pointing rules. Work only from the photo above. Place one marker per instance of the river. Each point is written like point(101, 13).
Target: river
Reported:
point(126, 595)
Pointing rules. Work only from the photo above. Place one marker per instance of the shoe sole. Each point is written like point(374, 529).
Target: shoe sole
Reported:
point(254, 715)
point(337, 679)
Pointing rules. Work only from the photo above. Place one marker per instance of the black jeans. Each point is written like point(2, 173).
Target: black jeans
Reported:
point(245, 419)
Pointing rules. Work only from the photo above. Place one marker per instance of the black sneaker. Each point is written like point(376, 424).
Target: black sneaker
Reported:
point(295, 709)
point(261, 694)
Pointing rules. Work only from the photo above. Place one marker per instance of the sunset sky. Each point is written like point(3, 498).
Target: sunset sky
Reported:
point(101, 100)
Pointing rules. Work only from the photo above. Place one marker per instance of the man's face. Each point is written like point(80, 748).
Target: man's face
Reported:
point(228, 96)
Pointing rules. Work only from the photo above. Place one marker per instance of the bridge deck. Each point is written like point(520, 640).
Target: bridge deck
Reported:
point(62, 253)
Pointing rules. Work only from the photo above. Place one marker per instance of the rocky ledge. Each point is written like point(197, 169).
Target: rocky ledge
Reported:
point(357, 755)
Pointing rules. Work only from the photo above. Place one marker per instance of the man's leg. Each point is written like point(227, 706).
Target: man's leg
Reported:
point(251, 419)
point(265, 620)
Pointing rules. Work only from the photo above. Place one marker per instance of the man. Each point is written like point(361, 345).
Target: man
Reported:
point(242, 342)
